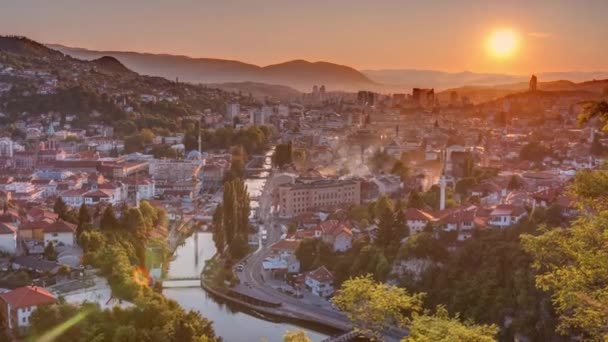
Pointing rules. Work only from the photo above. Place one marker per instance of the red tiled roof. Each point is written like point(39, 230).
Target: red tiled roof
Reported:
point(416, 214)
point(321, 275)
point(28, 296)
point(60, 226)
point(286, 244)
point(7, 228)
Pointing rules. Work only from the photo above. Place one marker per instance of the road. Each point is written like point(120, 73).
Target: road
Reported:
point(252, 274)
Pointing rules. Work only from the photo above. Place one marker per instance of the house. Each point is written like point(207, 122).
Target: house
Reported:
point(336, 234)
point(388, 184)
point(33, 230)
point(8, 238)
point(461, 220)
point(506, 215)
point(18, 305)
point(60, 232)
point(416, 220)
point(320, 282)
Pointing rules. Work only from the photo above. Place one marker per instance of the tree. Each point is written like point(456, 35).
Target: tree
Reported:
point(60, 208)
point(83, 219)
point(596, 109)
point(515, 183)
point(108, 219)
point(218, 231)
point(386, 220)
point(597, 149)
point(533, 151)
point(442, 328)
point(373, 307)
point(464, 185)
point(49, 252)
point(401, 170)
point(296, 336)
point(414, 200)
point(573, 265)
point(283, 155)
point(229, 217)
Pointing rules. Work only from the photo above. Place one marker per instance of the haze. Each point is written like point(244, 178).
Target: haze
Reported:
point(450, 36)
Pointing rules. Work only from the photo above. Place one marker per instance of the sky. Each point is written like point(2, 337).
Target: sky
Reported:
point(552, 35)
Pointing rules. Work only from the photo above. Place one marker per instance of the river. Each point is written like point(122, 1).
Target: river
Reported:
point(232, 323)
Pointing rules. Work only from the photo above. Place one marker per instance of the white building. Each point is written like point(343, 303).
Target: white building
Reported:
point(19, 304)
point(506, 215)
point(320, 282)
point(6, 147)
point(417, 220)
point(8, 238)
point(232, 111)
point(60, 233)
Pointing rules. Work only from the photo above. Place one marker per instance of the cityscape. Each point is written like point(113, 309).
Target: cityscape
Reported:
point(157, 186)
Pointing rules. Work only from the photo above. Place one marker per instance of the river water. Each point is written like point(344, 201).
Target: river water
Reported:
point(232, 323)
point(229, 321)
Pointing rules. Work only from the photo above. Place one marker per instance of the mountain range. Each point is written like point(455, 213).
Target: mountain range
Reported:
point(298, 74)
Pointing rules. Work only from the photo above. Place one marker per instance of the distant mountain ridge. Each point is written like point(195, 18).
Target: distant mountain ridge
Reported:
point(440, 80)
point(298, 74)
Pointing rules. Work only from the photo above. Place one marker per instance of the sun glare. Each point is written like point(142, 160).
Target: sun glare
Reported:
point(502, 43)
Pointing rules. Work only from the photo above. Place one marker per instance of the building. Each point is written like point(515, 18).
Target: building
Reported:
point(533, 83)
point(19, 304)
point(232, 111)
point(336, 234)
point(6, 147)
point(417, 220)
point(8, 238)
point(424, 97)
point(506, 215)
point(295, 199)
point(320, 282)
point(60, 233)
point(173, 170)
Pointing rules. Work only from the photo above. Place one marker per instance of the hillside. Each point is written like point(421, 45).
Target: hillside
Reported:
point(298, 74)
point(259, 90)
point(110, 65)
point(41, 80)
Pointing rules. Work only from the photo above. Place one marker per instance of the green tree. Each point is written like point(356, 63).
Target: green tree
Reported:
point(84, 219)
point(386, 221)
point(108, 219)
point(440, 327)
point(373, 307)
point(400, 169)
point(415, 200)
point(49, 252)
point(296, 336)
point(573, 265)
point(60, 208)
point(229, 220)
point(218, 230)
point(597, 109)
point(515, 183)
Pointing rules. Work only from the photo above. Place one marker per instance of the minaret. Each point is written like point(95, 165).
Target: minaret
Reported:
point(200, 141)
point(442, 184)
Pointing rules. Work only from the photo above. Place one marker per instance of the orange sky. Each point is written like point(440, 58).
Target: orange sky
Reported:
point(442, 35)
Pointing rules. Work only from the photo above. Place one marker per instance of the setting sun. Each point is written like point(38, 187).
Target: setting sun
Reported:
point(502, 43)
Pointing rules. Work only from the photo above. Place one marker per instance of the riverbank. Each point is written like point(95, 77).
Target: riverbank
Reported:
point(253, 325)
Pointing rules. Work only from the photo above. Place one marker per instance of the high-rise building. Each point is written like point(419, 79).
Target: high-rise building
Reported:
point(6, 147)
point(232, 111)
point(424, 97)
point(533, 81)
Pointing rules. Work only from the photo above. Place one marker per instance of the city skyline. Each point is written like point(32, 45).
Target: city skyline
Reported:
point(453, 37)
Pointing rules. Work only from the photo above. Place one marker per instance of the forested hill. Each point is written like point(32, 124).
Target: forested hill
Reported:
point(35, 79)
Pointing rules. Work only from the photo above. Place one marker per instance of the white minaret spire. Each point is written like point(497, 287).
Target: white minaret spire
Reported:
point(200, 142)
point(442, 184)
